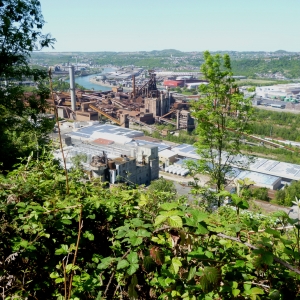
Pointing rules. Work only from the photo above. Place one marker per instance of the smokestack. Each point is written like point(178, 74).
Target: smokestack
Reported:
point(133, 85)
point(169, 98)
point(72, 87)
point(161, 103)
point(177, 119)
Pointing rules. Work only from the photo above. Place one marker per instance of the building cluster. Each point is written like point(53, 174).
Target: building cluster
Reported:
point(115, 154)
point(144, 105)
point(279, 91)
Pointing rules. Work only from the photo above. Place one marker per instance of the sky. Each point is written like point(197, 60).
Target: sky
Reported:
point(190, 25)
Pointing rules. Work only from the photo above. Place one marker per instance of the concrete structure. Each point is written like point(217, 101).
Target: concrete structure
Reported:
point(140, 164)
point(157, 106)
point(112, 154)
point(86, 116)
point(167, 157)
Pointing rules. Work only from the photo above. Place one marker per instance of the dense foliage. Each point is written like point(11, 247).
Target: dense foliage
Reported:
point(281, 124)
point(20, 34)
point(289, 66)
point(99, 243)
point(287, 195)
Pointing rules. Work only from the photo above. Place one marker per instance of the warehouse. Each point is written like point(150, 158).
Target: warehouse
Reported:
point(260, 166)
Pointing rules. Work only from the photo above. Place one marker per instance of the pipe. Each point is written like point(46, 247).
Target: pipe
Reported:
point(72, 87)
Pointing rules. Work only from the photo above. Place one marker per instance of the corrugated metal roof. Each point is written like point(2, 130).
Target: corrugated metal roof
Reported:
point(260, 165)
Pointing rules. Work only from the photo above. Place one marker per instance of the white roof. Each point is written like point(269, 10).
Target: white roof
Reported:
point(167, 153)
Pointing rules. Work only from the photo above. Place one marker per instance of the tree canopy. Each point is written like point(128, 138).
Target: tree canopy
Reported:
point(21, 24)
point(222, 116)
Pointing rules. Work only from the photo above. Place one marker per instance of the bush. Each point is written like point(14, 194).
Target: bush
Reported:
point(261, 194)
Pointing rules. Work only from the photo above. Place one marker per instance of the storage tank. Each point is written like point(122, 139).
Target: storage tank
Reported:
point(185, 172)
point(171, 168)
point(179, 171)
point(174, 170)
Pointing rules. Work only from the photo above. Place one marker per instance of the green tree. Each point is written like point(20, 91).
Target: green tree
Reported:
point(222, 114)
point(20, 34)
point(162, 184)
point(287, 195)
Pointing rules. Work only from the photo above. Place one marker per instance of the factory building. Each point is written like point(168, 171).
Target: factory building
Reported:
point(264, 172)
point(137, 164)
point(113, 155)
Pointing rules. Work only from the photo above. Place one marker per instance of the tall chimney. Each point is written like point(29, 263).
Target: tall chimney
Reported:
point(169, 99)
point(177, 119)
point(72, 87)
point(161, 103)
point(133, 85)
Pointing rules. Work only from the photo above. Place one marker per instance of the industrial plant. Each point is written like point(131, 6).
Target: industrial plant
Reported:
point(144, 105)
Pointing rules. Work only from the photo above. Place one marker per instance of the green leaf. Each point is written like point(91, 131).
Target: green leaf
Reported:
point(256, 291)
point(24, 244)
point(131, 288)
point(170, 213)
point(135, 241)
point(201, 229)
point(192, 273)
point(59, 280)
point(143, 233)
point(132, 257)
point(54, 275)
point(199, 216)
point(62, 250)
point(122, 264)
point(209, 254)
point(99, 296)
point(132, 269)
point(212, 274)
point(88, 235)
point(149, 264)
point(160, 219)
point(169, 206)
point(274, 295)
point(267, 258)
point(280, 213)
point(235, 292)
point(273, 232)
point(239, 263)
point(105, 263)
point(176, 264)
point(136, 222)
point(66, 221)
point(175, 221)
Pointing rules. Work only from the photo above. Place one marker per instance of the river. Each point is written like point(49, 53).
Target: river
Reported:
point(85, 81)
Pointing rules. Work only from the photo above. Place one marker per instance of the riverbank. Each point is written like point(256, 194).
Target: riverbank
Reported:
point(94, 81)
